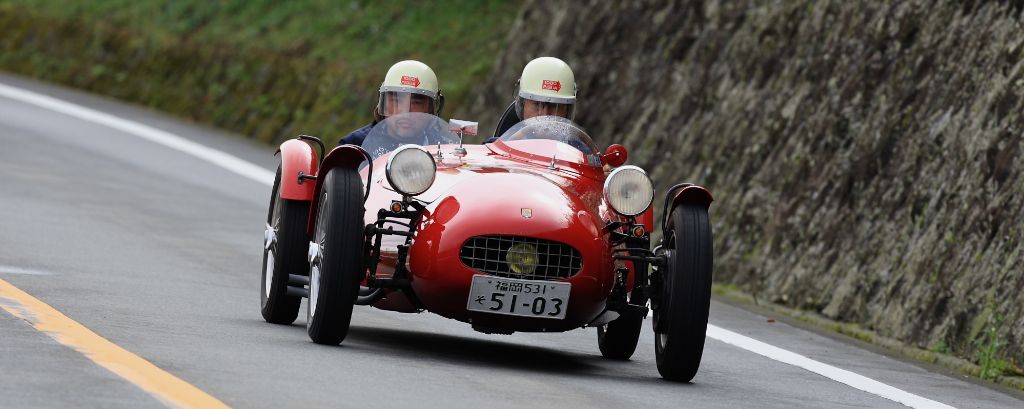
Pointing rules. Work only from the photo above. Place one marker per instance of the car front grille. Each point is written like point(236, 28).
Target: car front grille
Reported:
point(489, 254)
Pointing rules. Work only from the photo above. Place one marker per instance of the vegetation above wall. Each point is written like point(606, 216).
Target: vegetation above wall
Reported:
point(265, 69)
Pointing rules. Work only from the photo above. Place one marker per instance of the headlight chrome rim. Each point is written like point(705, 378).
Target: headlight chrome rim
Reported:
point(608, 189)
point(389, 169)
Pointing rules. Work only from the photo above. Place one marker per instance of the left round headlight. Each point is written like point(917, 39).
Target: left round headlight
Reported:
point(410, 170)
point(629, 190)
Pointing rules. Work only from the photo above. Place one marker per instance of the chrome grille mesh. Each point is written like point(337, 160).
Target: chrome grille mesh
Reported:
point(488, 254)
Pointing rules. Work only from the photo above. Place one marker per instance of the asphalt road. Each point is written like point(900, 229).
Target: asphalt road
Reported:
point(159, 252)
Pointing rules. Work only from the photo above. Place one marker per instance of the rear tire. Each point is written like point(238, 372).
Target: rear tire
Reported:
point(617, 339)
point(681, 313)
point(284, 252)
point(337, 267)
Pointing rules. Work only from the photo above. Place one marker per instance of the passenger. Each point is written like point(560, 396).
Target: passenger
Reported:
point(409, 86)
point(547, 86)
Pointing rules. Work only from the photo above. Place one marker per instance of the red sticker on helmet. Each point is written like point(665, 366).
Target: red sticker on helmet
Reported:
point(552, 85)
point(408, 80)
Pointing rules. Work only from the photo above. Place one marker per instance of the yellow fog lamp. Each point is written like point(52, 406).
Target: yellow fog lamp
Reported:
point(522, 258)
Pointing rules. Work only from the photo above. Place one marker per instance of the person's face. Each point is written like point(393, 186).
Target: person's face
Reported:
point(402, 102)
point(533, 108)
point(409, 128)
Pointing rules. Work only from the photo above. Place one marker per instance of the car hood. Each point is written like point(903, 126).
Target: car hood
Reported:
point(518, 178)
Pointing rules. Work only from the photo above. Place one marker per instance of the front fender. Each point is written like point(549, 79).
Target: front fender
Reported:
point(688, 194)
point(344, 156)
point(297, 157)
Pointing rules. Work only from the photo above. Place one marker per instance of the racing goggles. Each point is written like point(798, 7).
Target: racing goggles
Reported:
point(529, 108)
point(401, 102)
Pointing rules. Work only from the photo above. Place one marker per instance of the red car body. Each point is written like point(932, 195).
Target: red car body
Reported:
point(485, 193)
point(552, 192)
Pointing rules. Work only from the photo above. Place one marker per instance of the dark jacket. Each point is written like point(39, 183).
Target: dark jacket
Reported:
point(357, 136)
point(508, 119)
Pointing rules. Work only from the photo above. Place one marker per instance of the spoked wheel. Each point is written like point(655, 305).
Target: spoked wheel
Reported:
point(337, 257)
point(681, 312)
point(284, 252)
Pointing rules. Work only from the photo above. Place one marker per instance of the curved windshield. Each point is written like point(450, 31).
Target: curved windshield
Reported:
point(533, 136)
point(410, 128)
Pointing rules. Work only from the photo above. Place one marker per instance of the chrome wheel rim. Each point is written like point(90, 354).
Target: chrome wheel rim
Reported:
point(316, 252)
point(314, 289)
point(270, 247)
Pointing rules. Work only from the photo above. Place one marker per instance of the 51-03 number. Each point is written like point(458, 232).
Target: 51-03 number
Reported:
point(524, 298)
point(539, 306)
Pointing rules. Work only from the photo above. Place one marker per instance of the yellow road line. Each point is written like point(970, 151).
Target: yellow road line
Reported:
point(166, 387)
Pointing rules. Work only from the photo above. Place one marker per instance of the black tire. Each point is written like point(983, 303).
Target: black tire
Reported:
point(617, 339)
point(681, 313)
point(286, 222)
point(337, 268)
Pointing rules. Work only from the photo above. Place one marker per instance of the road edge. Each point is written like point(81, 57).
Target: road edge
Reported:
point(855, 334)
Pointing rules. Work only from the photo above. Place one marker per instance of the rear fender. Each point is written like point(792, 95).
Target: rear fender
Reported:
point(685, 194)
point(344, 156)
point(297, 157)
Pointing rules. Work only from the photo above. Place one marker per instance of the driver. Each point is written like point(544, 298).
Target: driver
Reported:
point(546, 87)
point(409, 86)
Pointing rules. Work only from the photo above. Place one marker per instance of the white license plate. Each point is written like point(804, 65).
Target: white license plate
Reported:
point(524, 298)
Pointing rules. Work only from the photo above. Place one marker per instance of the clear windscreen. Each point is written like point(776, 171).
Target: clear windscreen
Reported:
point(408, 128)
point(535, 136)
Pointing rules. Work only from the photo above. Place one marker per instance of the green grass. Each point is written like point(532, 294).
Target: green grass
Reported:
point(988, 350)
point(940, 347)
point(268, 69)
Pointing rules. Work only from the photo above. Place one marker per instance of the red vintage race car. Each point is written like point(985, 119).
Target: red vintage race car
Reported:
point(537, 231)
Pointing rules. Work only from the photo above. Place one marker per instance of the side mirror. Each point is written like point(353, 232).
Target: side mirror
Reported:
point(463, 127)
point(614, 156)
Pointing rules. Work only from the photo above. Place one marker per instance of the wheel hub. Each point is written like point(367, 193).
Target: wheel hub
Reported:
point(269, 239)
point(314, 254)
point(269, 236)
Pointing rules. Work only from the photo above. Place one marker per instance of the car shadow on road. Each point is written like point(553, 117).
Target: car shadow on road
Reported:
point(497, 354)
point(451, 349)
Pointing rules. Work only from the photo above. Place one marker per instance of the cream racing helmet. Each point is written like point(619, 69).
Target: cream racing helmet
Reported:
point(409, 86)
point(547, 87)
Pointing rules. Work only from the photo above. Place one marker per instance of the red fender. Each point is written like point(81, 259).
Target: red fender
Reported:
point(688, 194)
point(692, 195)
point(344, 156)
point(297, 156)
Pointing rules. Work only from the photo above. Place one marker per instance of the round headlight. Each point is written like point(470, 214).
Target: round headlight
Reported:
point(629, 190)
point(410, 170)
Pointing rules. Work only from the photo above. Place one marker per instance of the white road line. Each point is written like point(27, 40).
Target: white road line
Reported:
point(218, 158)
point(259, 174)
point(5, 269)
point(839, 375)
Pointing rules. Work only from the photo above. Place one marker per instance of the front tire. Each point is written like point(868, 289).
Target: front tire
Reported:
point(284, 252)
point(337, 253)
point(681, 313)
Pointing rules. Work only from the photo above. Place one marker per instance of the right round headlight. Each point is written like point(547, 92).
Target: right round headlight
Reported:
point(410, 170)
point(629, 190)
